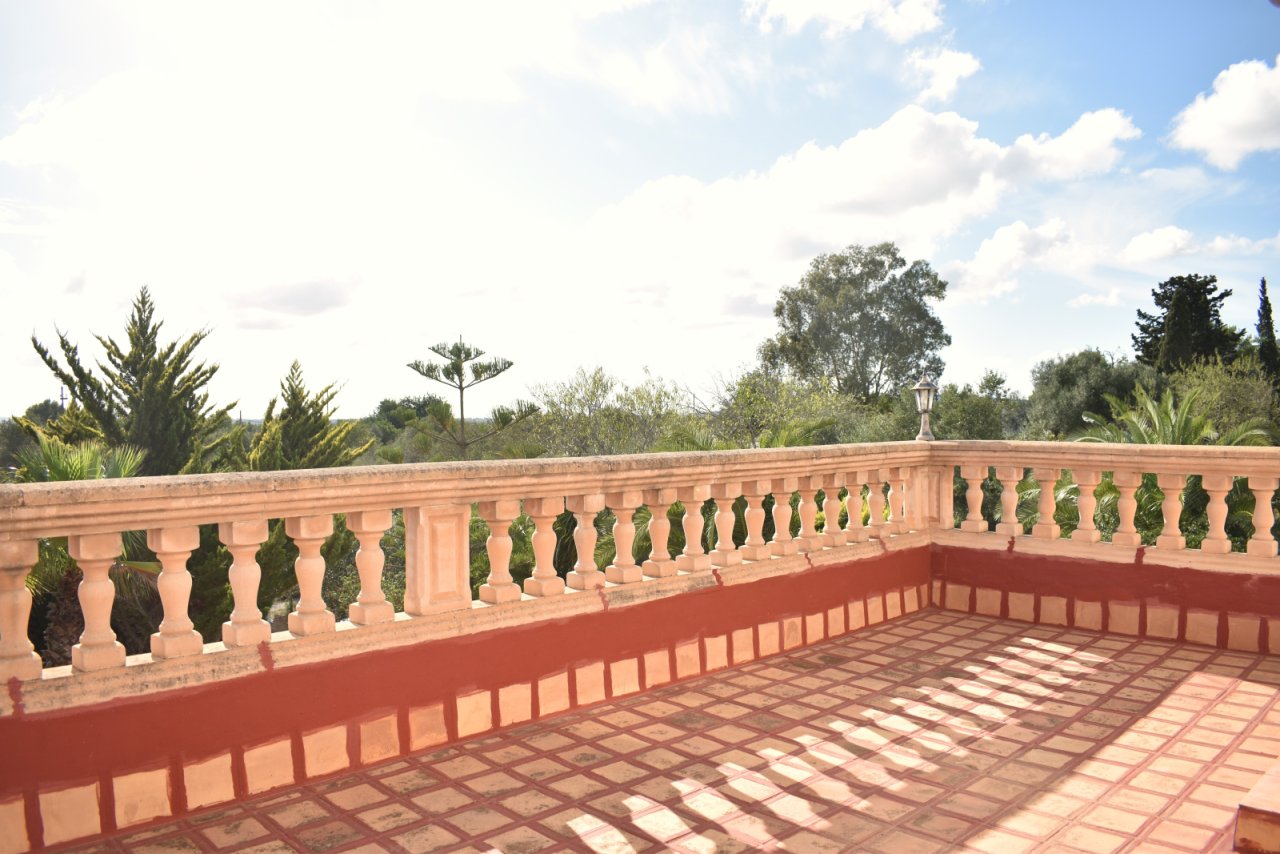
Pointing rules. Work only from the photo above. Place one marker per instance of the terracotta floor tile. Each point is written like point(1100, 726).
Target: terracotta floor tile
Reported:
point(1091, 839)
point(328, 836)
point(426, 839)
point(997, 842)
point(355, 797)
point(298, 814)
point(235, 832)
point(442, 800)
point(933, 732)
point(388, 817)
point(521, 840)
point(901, 842)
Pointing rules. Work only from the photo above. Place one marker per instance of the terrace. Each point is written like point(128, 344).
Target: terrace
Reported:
point(900, 685)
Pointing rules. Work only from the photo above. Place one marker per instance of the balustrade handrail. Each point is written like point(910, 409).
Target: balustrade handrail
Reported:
point(1109, 456)
point(102, 506)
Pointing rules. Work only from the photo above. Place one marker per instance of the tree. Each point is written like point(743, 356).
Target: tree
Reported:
point(860, 320)
point(149, 395)
point(593, 413)
point(1230, 394)
point(1187, 326)
point(1268, 349)
point(1065, 387)
point(969, 413)
point(453, 373)
point(303, 435)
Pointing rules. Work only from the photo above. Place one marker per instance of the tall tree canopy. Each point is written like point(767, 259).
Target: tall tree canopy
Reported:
point(861, 320)
point(1066, 387)
point(1186, 326)
point(149, 395)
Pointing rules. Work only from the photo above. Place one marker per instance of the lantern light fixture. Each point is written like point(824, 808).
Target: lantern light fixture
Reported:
point(926, 395)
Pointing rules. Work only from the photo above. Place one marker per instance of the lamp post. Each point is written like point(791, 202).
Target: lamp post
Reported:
point(926, 393)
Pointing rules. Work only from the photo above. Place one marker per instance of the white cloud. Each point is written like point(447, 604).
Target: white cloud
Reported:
point(1088, 147)
point(1240, 117)
point(1110, 299)
point(688, 71)
point(941, 70)
point(900, 20)
point(1232, 244)
point(994, 267)
point(915, 180)
point(1157, 244)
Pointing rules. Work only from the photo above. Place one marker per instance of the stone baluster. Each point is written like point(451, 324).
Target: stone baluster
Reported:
point(809, 539)
point(499, 515)
point(243, 539)
point(973, 521)
point(18, 658)
point(1171, 508)
point(832, 534)
point(308, 533)
point(1009, 477)
point(854, 531)
point(1127, 482)
point(897, 499)
point(1216, 540)
point(694, 558)
point(943, 498)
point(623, 570)
point(1262, 543)
point(659, 564)
point(725, 553)
point(177, 636)
point(1046, 527)
point(98, 648)
point(544, 581)
point(371, 605)
point(1087, 481)
point(585, 575)
point(783, 543)
point(877, 528)
point(754, 547)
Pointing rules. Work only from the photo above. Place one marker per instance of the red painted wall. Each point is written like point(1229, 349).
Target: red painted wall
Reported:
point(1093, 581)
point(164, 729)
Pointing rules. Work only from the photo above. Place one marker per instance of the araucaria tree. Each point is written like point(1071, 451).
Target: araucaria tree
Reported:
point(860, 320)
point(459, 360)
point(149, 395)
point(1187, 325)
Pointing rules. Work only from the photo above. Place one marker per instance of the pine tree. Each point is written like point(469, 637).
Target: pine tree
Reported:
point(453, 373)
point(149, 395)
point(1202, 334)
point(303, 435)
point(1268, 350)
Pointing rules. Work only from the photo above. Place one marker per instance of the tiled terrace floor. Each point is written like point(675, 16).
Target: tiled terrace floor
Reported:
point(935, 732)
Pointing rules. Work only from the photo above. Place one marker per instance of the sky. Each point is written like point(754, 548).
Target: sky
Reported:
point(623, 184)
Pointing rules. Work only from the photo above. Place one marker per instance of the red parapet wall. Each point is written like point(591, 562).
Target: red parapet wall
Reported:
point(1227, 610)
point(75, 773)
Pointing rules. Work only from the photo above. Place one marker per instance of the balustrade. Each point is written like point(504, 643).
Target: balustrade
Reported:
point(909, 487)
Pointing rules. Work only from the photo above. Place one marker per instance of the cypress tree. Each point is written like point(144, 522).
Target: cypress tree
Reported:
point(1268, 351)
